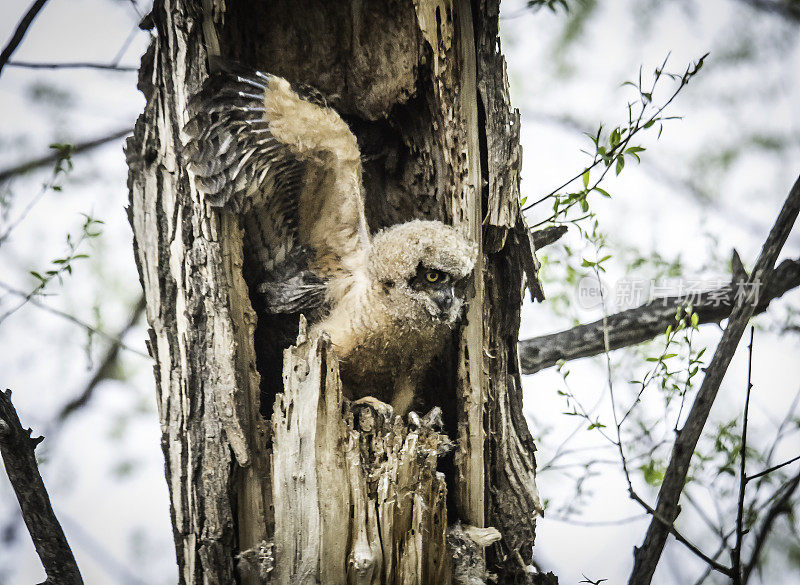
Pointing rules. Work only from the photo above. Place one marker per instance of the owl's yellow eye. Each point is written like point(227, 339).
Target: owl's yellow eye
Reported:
point(432, 276)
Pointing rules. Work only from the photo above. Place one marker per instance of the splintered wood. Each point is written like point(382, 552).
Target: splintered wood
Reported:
point(357, 497)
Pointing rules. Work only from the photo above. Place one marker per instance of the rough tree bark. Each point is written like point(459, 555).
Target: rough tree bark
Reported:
point(422, 84)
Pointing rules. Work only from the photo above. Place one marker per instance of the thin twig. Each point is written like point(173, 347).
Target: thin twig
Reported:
point(758, 509)
point(620, 148)
point(736, 556)
point(57, 155)
point(778, 507)
point(19, 33)
point(115, 339)
point(591, 523)
point(784, 423)
point(623, 458)
point(704, 516)
point(773, 468)
point(73, 65)
point(647, 556)
point(679, 537)
point(14, 224)
point(106, 365)
point(17, 450)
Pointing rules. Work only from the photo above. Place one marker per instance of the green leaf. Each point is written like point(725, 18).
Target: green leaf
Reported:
point(633, 151)
point(603, 192)
point(586, 178)
point(695, 320)
point(620, 164)
point(652, 473)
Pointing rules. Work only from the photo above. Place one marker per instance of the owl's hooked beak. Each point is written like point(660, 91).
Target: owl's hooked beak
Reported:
point(444, 298)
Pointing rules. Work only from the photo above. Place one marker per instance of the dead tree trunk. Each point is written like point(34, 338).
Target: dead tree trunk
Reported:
point(422, 85)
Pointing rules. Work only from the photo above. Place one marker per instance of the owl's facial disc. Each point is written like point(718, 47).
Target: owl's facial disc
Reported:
point(442, 302)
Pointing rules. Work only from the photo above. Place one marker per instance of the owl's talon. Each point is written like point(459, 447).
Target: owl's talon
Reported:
point(382, 409)
point(433, 420)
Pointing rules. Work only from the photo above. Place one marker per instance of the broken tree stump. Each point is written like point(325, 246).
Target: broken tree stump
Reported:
point(357, 495)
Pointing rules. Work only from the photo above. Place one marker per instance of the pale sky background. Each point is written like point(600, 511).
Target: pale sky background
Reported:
point(104, 468)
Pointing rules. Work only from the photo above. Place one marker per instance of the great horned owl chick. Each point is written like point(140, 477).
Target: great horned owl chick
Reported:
point(291, 168)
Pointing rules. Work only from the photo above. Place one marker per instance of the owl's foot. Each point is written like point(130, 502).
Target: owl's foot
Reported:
point(433, 420)
point(380, 407)
point(432, 424)
point(368, 409)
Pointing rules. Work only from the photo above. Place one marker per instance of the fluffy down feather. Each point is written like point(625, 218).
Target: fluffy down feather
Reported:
point(290, 168)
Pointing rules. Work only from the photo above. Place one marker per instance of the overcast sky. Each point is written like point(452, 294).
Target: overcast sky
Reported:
point(104, 468)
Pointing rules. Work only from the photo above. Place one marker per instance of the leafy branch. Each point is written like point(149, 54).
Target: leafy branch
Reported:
point(62, 159)
point(90, 229)
point(610, 150)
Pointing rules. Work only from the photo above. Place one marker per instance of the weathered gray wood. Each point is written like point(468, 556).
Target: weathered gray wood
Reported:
point(200, 318)
point(329, 459)
point(512, 498)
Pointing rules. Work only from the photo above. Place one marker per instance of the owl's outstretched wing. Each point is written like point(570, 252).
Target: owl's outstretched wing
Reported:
point(290, 167)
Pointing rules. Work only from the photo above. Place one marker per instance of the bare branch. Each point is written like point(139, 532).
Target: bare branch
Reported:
point(670, 527)
point(106, 365)
point(773, 468)
point(647, 321)
point(17, 450)
point(19, 34)
point(737, 548)
point(56, 155)
point(115, 339)
point(647, 556)
point(73, 65)
point(779, 506)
